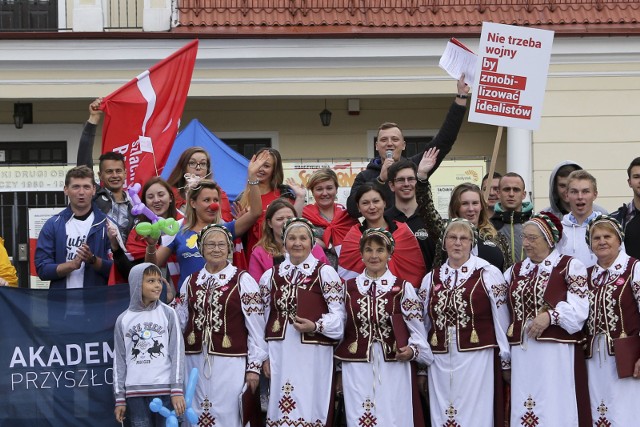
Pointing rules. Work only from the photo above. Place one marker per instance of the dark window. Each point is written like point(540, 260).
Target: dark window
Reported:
point(34, 152)
point(247, 146)
point(23, 15)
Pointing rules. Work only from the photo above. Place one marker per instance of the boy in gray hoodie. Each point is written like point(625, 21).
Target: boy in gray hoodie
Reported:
point(149, 352)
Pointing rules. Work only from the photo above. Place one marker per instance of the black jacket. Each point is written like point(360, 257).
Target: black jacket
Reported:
point(443, 141)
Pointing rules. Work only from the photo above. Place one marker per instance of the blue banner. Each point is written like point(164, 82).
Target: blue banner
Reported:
point(56, 355)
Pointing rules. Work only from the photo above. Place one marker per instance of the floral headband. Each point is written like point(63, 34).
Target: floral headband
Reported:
point(297, 222)
point(549, 225)
point(383, 234)
point(211, 228)
point(606, 219)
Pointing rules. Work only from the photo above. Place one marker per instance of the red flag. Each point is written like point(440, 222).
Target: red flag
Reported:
point(142, 117)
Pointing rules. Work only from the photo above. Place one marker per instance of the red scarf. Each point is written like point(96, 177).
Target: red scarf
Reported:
point(404, 263)
point(334, 231)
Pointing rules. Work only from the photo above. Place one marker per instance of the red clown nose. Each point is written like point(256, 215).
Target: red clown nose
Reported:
point(214, 206)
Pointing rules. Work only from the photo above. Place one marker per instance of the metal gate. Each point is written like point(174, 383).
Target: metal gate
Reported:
point(14, 224)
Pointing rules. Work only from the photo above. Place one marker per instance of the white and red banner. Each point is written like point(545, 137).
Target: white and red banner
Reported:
point(511, 76)
point(142, 117)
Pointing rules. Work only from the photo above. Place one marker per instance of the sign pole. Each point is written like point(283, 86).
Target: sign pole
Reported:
point(492, 166)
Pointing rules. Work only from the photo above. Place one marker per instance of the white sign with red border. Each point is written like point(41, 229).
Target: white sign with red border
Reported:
point(511, 76)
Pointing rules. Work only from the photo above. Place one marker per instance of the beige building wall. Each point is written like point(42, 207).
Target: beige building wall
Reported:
point(591, 116)
point(590, 110)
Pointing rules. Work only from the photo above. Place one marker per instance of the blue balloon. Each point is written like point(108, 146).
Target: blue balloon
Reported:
point(172, 420)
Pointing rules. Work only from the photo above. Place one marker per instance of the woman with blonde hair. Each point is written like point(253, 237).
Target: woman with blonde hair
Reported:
point(331, 221)
point(203, 209)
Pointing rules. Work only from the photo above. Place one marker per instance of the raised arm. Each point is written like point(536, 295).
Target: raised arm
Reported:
point(246, 221)
point(448, 132)
point(85, 148)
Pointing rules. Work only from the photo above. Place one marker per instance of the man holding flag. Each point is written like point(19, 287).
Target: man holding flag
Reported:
point(143, 116)
point(110, 198)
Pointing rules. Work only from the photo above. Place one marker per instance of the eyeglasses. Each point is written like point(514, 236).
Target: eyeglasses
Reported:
point(529, 237)
point(219, 246)
point(462, 240)
point(196, 165)
point(409, 180)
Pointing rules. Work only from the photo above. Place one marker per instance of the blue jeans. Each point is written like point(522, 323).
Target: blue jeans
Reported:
point(141, 416)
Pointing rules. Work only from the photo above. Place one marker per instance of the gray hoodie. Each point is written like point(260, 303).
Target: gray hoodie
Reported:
point(554, 197)
point(148, 347)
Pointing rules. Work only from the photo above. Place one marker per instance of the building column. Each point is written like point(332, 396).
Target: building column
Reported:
point(156, 15)
point(519, 156)
point(88, 16)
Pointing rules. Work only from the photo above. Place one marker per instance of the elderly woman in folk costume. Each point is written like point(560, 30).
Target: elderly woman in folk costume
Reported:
point(614, 317)
point(407, 261)
point(376, 374)
point(548, 303)
point(466, 317)
point(221, 315)
point(301, 348)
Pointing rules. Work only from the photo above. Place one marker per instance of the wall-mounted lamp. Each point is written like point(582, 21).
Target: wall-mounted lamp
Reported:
point(325, 115)
point(22, 114)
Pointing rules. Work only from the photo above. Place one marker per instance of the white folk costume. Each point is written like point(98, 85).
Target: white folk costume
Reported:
point(301, 363)
point(376, 386)
point(614, 312)
point(466, 317)
point(222, 319)
point(547, 374)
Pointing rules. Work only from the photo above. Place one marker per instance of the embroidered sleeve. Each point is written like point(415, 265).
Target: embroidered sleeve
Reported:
point(571, 314)
point(181, 304)
point(497, 289)
point(331, 324)
point(635, 282)
point(412, 309)
point(423, 293)
point(265, 291)
point(254, 321)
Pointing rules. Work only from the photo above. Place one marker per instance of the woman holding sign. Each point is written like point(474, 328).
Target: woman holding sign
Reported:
point(613, 327)
point(303, 300)
point(376, 376)
point(466, 317)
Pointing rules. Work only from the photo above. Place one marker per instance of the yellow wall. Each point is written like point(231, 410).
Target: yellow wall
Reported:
point(594, 120)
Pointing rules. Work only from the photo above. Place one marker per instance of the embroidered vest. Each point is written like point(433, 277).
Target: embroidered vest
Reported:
point(284, 306)
point(368, 321)
point(530, 296)
point(467, 308)
point(215, 319)
point(613, 310)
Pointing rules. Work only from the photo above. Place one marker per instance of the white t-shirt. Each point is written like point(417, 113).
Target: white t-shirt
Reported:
point(77, 232)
